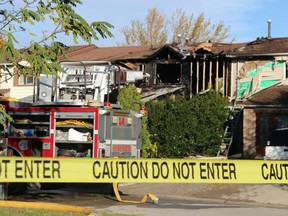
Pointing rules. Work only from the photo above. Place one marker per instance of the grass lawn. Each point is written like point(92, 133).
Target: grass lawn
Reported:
point(5, 211)
point(34, 212)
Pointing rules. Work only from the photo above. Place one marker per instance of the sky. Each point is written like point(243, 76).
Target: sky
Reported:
point(247, 19)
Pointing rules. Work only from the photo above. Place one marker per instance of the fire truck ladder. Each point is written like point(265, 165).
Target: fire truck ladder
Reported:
point(235, 113)
point(95, 80)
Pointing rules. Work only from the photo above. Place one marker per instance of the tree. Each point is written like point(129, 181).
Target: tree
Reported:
point(199, 29)
point(158, 29)
point(43, 55)
point(151, 32)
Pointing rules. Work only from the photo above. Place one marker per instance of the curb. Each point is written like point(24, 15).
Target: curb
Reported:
point(48, 206)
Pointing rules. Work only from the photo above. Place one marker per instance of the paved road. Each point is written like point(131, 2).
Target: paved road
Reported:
point(180, 207)
point(175, 199)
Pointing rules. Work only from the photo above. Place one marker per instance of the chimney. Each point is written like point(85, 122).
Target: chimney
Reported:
point(269, 28)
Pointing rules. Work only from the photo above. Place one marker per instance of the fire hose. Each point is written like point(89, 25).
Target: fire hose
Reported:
point(154, 199)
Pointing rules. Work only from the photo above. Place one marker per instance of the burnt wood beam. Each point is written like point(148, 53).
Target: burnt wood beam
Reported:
point(191, 79)
point(217, 75)
point(204, 77)
point(197, 76)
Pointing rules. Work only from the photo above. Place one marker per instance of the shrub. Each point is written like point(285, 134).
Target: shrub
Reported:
point(180, 128)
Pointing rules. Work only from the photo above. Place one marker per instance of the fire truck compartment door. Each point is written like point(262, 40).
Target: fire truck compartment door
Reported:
point(120, 135)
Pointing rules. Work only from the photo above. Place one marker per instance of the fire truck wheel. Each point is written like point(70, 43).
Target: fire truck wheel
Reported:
point(16, 188)
point(51, 186)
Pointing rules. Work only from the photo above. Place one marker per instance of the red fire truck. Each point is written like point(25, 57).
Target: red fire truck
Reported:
point(70, 118)
point(72, 131)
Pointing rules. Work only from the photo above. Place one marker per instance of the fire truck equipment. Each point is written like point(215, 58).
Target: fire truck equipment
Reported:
point(83, 81)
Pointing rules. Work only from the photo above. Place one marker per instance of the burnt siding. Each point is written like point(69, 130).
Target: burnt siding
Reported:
point(185, 74)
point(150, 70)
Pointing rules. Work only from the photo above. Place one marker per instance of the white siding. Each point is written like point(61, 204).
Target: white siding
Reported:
point(23, 93)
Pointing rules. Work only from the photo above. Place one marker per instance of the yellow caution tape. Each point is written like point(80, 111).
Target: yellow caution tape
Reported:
point(146, 196)
point(124, 170)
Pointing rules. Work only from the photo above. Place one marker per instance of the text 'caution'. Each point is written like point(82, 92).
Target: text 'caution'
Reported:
point(31, 169)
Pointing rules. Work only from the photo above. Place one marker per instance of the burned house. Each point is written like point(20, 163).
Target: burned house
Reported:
point(238, 70)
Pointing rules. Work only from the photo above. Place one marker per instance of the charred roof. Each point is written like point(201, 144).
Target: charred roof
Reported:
point(262, 46)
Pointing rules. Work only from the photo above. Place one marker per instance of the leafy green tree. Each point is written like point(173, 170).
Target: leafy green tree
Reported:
point(157, 28)
point(43, 55)
point(181, 128)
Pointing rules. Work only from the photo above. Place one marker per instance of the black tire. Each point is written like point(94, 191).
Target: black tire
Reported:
point(16, 188)
point(52, 186)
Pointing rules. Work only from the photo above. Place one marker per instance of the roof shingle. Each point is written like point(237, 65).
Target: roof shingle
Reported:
point(112, 53)
point(275, 95)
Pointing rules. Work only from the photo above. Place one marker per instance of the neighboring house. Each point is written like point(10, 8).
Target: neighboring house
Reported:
point(262, 113)
point(261, 85)
point(24, 88)
point(13, 85)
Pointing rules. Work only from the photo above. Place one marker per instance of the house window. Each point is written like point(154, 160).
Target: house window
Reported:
point(25, 80)
point(22, 80)
point(282, 122)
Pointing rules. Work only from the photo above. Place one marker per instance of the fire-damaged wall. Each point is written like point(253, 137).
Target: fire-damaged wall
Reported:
point(200, 75)
point(255, 75)
point(195, 75)
point(187, 78)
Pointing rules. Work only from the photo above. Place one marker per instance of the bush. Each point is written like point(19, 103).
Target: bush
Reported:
point(180, 128)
